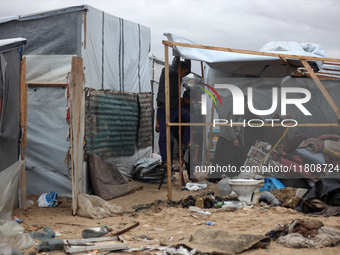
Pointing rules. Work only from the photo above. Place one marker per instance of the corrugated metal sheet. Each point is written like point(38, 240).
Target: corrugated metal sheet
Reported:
point(145, 121)
point(111, 123)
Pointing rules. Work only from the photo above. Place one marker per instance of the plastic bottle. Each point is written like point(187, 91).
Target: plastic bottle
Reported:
point(48, 230)
point(39, 235)
point(209, 223)
point(51, 245)
point(223, 187)
point(94, 232)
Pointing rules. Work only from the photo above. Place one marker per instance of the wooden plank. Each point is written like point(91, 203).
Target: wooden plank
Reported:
point(91, 240)
point(47, 84)
point(259, 53)
point(167, 120)
point(23, 106)
point(77, 126)
point(100, 248)
point(330, 63)
point(321, 87)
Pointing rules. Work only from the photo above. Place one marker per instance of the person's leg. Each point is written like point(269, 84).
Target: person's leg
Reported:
point(185, 118)
point(162, 133)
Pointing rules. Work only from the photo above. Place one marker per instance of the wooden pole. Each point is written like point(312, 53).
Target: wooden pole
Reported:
point(321, 87)
point(167, 119)
point(23, 126)
point(179, 128)
point(77, 128)
point(204, 127)
point(210, 131)
point(23, 106)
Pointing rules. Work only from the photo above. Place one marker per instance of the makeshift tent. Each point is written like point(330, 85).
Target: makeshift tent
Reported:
point(12, 126)
point(277, 64)
point(84, 48)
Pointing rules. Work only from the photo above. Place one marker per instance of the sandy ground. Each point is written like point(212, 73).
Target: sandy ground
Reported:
point(162, 222)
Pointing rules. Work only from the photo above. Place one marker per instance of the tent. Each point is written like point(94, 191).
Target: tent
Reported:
point(12, 125)
point(79, 58)
point(273, 72)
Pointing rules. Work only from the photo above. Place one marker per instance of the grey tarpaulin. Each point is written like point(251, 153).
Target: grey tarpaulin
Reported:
point(10, 58)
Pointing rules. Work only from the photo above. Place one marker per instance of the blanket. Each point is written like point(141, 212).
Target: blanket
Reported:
point(224, 242)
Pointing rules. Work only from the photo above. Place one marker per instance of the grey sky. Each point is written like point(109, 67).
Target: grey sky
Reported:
point(239, 24)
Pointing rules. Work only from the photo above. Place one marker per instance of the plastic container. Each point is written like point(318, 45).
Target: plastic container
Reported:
point(94, 232)
point(232, 206)
point(40, 235)
point(51, 245)
point(48, 230)
point(199, 202)
point(223, 187)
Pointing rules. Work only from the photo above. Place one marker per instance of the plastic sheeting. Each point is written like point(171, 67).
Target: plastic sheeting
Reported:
point(47, 143)
point(116, 57)
point(9, 107)
point(247, 64)
point(9, 179)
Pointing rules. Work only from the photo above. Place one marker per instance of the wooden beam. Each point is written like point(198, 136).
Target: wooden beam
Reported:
point(77, 127)
point(321, 87)
point(47, 84)
point(329, 63)
point(167, 120)
point(259, 53)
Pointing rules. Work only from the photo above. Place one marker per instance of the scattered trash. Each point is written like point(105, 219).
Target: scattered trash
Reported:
point(233, 206)
point(48, 199)
point(94, 232)
point(47, 234)
point(194, 186)
point(114, 243)
point(50, 245)
point(17, 219)
point(209, 223)
point(57, 234)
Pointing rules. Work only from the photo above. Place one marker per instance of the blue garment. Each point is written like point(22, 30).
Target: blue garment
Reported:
point(185, 118)
point(272, 183)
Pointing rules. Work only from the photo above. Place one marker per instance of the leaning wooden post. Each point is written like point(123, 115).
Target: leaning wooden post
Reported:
point(167, 119)
point(321, 87)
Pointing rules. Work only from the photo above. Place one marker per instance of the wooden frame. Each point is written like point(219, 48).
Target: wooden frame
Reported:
point(77, 129)
point(283, 57)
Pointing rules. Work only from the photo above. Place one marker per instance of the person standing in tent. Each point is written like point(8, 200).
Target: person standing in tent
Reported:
point(230, 147)
point(177, 68)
